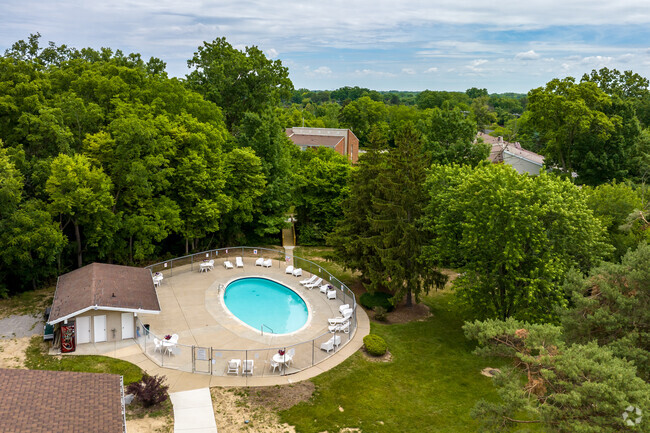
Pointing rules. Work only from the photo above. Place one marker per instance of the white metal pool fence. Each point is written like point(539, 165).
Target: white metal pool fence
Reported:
point(214, 361)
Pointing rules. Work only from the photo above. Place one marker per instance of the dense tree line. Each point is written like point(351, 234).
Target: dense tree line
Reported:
point(104, 157)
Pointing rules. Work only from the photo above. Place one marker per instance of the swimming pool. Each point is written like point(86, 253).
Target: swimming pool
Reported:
point(258, 301)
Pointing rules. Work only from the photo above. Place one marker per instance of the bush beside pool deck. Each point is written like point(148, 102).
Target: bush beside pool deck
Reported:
point(209, 335)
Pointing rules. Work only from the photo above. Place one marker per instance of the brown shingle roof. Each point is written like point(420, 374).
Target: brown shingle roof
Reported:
point(103, 285)
point(35, 401)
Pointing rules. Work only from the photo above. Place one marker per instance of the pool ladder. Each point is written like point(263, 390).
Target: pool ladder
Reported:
point(262, 329)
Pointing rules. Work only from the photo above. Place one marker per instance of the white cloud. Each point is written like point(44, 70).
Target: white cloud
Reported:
point(272, 53)
point(431, 70)
point(408, 71)
point(528, 55)
point(371, 72)
point(323, 70)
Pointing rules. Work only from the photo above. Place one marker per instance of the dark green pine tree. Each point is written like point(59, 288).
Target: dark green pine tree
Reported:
point(352, 235)
point(397, 207)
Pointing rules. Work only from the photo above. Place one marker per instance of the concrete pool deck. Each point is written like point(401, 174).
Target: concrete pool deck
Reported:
point(192, 307)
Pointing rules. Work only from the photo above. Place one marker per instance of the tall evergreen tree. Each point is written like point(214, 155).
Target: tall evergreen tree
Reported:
point(397, 208)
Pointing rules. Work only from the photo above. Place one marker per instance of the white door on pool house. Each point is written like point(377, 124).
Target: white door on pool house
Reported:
point(83, 330)
point(99, 325)
point(127, 325)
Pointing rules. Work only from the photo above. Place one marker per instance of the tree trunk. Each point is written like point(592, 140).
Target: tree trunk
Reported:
point(77, 234)
point(187, 246)
point(409, 301)
point(131, 249)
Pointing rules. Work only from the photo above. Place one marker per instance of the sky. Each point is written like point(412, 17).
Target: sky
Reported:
point(504, 46)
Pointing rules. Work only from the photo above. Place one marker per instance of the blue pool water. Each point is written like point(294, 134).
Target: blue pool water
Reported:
point(257, 301)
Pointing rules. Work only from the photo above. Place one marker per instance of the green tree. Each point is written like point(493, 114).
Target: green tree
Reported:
point(32, 242)
point(81, 195)
point(450, 137)
point(583, 129)
point(245, 186)
point(612, 307)
point(395, 219)
point(567, 388)
point(322, 179)
point(264, 134)
point(11, 185)
point(361, 115)
point(483, 113)
point(612, 203)
point(238, 81)
point(514, 237)
point(353, 235)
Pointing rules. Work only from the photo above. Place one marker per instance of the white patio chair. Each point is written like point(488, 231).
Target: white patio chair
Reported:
point(274, 365)
point(233, 366)
point(331, 294)
point(314, 284)
point(337, 340)
point(288, 358)
point(324, 288)
point(239, 262)
point(268, 263)
point(288, 270)
point(309, 280)
point(228, 265)
point(157, 345)
point(338, 320)
point(259, 262)
point(247, 370)
point(297, 272)
point(328, 345)
point(344, 307)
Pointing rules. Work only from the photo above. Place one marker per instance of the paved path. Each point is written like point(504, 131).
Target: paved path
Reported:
point(193, 412)
point(20, 326)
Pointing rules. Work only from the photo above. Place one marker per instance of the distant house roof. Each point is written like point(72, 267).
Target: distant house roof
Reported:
point(329, 137)
point(104, 287)
point(36, 401)
point(501, 147)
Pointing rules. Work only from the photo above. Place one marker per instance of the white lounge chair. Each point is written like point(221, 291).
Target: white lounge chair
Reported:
point(288, 270)
point(309, 280)
point(239, 262)
point(268, 263)
point(233, 366)
point(247, 370)
point(297, 272)
point(344, 307)
point(331, 294)
point(259, 262)
point(340, 327)
point(345, 316)
point(228, 265)
point(314, 284)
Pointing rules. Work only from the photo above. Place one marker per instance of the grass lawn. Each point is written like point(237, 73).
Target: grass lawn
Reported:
point(431, 384)
point(36, 358)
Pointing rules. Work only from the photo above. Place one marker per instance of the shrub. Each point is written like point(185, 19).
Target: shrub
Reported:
point(375, 345)
point(150, 391)
point(377, 299)
point(380, 313)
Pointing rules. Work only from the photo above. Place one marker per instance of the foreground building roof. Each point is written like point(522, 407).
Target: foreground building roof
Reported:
point(35, 401)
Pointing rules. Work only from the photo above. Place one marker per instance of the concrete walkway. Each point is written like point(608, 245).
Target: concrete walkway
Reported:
point(193, 411)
